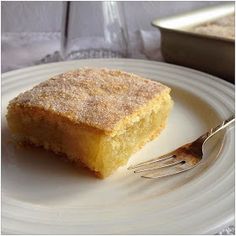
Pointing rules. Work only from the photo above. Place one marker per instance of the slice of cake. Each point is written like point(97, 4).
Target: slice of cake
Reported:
point(96, 116)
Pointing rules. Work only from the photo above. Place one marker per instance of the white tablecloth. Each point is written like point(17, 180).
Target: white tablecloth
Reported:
point(26, 49)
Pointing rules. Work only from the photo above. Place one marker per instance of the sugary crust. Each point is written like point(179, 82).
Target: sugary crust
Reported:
point(97, 98)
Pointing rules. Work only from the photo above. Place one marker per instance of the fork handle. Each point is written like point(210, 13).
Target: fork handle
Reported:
point(219, 127)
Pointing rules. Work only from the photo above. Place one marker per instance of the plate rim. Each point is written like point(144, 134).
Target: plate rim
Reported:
point(28, 68)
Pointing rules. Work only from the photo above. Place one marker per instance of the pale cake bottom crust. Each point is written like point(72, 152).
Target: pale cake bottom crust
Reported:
point(101, 153)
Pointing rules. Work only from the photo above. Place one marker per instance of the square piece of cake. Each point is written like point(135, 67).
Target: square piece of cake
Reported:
point(95, 116)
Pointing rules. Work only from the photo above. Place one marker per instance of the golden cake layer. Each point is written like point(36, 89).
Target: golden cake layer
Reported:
point(96, 116)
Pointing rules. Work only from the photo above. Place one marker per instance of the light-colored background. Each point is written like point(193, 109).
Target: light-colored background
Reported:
point(46, 16)
point(31, 30)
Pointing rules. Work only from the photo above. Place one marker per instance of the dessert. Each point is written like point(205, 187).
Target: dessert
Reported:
point(95, 116)
point(223, 27)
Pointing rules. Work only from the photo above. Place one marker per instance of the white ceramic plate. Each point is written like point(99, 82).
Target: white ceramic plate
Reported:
point(43, 195)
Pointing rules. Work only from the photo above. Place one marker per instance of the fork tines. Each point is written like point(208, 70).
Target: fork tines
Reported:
point(162, 166)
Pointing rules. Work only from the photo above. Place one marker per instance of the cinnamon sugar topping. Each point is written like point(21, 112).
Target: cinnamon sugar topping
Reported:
point(95, 97)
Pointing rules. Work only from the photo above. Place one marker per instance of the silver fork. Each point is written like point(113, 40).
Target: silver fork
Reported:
point(180, 160)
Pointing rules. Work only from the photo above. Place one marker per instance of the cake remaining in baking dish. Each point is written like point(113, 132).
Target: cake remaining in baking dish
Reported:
point(95, 116)
point(223, 27)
